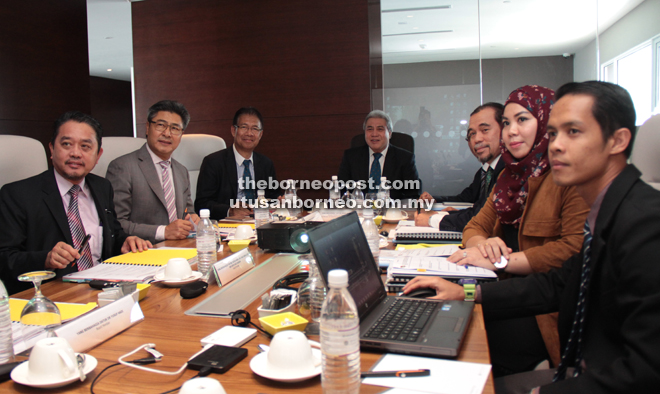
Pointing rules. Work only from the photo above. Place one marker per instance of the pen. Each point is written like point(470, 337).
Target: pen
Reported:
point(82, 246)
point(396, 374)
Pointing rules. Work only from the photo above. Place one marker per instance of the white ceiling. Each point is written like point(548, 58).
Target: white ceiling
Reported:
point(509, 28)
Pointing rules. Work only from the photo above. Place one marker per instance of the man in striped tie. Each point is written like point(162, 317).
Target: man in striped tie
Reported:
point(152, 190)
point(607, 295)
point(45, 218)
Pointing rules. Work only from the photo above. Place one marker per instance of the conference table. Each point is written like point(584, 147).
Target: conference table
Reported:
point(177, 336)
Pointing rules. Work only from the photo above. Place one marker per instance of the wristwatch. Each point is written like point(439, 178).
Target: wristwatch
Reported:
point(501, 265)
point(470, 288)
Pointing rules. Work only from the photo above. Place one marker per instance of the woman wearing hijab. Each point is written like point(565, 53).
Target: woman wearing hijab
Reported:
point(528, 220)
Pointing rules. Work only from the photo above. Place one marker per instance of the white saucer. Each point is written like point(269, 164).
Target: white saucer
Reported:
point(160, 278)
point(20, 375)
point(259, 365)
point(393, 220)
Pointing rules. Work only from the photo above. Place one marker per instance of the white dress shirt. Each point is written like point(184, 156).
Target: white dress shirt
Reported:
point(240, 170)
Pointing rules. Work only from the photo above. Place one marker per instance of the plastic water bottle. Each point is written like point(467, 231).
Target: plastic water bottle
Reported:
point(334, 192)
point(340, 338)
point(358, 197)
point(261, 215)
point(291, 196)
point(206, 248)
point(371, 231)
point(6, 341)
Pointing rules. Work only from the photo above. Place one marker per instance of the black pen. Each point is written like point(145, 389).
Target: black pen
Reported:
point(396, 374)
point(82, 246)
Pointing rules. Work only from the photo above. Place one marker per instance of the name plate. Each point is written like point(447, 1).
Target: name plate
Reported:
point(101, 324)
point(233, 266)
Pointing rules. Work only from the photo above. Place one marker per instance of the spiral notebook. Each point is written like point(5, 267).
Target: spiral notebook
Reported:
point(413, 235)
point(133, 267)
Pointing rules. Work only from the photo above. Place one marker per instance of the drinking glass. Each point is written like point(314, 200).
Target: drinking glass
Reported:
point(39, 311)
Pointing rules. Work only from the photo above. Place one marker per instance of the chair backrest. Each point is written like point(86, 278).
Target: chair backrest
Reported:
point(403, 141)
point(113, 147)
point(20, 158)
point(192, 150)
point(646, 151)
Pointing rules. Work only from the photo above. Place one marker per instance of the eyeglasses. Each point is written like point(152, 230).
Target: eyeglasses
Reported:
point(245, 128)
point(161, 126)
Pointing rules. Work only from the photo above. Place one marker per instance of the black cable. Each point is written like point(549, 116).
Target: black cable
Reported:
point(141, 361)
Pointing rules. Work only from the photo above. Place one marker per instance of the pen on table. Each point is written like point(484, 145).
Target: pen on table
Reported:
point(396, 374)
point(82, 246)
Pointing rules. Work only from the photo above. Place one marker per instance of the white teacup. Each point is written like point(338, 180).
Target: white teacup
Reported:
point(395, 214)
point(244, 231)
point(202, 386)
point(177, 268)
point(51, 360)
point(290, 351)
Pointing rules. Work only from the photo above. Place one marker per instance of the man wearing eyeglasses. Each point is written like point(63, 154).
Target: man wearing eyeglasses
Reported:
point(483, 137)
point(152, 190)
point(233, 173)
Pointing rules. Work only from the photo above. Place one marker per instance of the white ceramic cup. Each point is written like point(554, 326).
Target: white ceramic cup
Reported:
point(290, 351)
point(244, 231)
point(202, 386)
point(177, 268)
point(395, 214)
point(51, 360)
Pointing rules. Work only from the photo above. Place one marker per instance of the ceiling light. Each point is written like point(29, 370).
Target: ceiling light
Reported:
point(463, 121)
point(410, 16)
point(421, 40)
point(109, 69)
point(415, 28)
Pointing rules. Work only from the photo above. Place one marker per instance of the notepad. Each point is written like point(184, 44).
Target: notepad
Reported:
point(68, 310)
point(134, 267)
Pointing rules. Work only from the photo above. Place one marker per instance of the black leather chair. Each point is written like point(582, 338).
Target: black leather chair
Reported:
point(403, 141)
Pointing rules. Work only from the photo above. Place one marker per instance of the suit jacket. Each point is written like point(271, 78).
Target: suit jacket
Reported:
point(34, 220)
point(621, 340)
point(218, 181)
point(399, 165)
point(139, 197)
point(456, 220)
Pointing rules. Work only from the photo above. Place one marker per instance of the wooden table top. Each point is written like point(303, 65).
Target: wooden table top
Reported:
point(177, 336)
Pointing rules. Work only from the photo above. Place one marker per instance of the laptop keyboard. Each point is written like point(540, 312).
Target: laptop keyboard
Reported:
point(403, 321)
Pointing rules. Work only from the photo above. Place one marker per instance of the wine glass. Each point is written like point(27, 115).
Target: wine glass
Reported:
point(39, 311)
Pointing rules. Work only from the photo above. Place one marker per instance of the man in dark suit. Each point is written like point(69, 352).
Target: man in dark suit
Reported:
point(152, 190)
point(483, 137)
point(607, 295)
point(381, 159)
point(45, 218)
point(232, 174)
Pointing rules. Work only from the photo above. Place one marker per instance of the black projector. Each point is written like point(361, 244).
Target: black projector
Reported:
point(285, 237)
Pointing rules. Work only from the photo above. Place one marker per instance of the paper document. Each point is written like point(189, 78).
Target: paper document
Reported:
point(68, 310)
point(434, 251)
point(435, 266)
point(455, 377)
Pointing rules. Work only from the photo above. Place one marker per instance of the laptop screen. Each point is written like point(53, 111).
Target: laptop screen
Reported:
point(341, 244)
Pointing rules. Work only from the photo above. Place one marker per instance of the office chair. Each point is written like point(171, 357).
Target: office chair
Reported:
point(20, 158)
point(192, 150)
point(401, 140)
point(645, 155)
point(113, 147)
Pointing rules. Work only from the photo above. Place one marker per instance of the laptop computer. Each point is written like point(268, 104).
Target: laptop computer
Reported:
point(341, 244)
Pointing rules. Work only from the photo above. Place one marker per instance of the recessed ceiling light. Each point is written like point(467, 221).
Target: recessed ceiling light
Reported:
point(109, 69)
point(410, 16)
point(463, 121)
point(415, 28)
point(421, 40)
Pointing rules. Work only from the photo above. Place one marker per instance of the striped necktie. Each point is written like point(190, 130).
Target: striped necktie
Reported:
point(375, 173)
point(574, 345)
point(247, 180)
point(486, 178)
point(78, 230)
point(168, 189)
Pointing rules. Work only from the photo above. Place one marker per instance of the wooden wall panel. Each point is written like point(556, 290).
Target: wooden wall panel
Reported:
point(44, 66)
point(303, 64)
point(111, 104)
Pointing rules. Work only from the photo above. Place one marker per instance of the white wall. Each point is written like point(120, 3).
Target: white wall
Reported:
point(639, 25)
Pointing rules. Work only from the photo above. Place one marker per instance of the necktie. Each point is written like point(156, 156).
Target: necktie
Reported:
point(78, 230)
point(486, 178)
point(574, 344)
point(247, 180)
point(375, 173)
point(168, 189)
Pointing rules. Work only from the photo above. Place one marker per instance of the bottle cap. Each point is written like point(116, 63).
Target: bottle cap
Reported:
point(334, 177)
point(204, 213)
point(368, 213)
point(261, 192)
point(338, 278)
